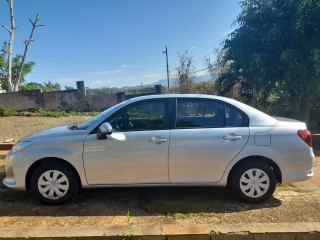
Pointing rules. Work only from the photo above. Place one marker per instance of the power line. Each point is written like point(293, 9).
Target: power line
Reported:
point(200, 70)
point(210, 46)
point(188, 24)
point(198, 59)
point(98, 55)
point(106, 70)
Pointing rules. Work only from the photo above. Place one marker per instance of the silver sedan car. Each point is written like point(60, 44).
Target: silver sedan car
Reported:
point(165, 140)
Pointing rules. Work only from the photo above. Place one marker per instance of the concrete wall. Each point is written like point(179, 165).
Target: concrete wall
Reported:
point(22, 100)
point(33, 99)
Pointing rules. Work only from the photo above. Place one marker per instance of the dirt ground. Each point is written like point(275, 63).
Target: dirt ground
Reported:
point(18, 127)
point(299, 202)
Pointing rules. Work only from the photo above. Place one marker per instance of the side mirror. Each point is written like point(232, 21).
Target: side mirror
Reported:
point(104, 130)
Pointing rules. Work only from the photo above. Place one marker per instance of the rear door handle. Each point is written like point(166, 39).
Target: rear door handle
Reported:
point(232, 137)
point(157, 139)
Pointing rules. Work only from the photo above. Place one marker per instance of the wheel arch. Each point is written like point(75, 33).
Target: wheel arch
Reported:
point(263, 159)
point(36, 164)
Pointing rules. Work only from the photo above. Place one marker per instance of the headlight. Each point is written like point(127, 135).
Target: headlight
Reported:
point(19, 146)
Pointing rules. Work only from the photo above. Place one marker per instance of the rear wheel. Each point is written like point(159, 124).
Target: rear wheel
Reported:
point(253, 182)
point(54, 183)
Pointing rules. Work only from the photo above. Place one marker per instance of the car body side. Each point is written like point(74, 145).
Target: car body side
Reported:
point(269, 140)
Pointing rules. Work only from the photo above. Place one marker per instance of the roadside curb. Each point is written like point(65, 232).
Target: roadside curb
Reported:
point(256, 231)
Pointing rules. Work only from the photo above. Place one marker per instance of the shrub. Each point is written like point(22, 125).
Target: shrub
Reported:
point(7, 111)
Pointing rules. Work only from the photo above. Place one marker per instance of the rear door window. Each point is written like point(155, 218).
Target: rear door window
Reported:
point(198, 113)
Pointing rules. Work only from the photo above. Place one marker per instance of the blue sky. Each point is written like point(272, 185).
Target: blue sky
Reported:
point(114, 43)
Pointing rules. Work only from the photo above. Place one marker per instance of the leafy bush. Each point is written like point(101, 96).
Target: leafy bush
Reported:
point(46, 113)
point(7, 111)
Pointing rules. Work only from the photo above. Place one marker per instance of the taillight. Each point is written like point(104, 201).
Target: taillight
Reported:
point(305, 135)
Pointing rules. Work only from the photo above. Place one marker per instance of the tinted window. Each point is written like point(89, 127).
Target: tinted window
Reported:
point(199, 113)
point(144, 115)
point(234, 118)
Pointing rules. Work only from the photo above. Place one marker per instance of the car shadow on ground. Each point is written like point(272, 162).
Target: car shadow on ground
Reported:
point(138, 201)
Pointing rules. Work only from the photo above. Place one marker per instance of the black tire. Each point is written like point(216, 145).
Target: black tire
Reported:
point(256, 191)
point(66, 184)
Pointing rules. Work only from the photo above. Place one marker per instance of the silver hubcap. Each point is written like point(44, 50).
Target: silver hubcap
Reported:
point(254, 183)
point(53, 184)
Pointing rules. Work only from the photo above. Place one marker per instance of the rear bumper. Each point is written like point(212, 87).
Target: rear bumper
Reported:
point(296, 166)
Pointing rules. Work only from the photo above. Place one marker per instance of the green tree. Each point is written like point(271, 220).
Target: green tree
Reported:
point(51, 86)
point(31, 86)
point(68, 87)
point(3, 66)
point(273, 57)
point(16, 63)
point(46, 87)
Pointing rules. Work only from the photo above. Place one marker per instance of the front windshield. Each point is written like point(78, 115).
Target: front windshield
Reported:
point(99, 118)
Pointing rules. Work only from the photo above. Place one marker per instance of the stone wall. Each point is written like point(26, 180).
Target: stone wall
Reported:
point(68, 99)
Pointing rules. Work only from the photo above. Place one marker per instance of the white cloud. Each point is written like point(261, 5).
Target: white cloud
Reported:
point(108, 72)
point(151, 76)
point(121, 69)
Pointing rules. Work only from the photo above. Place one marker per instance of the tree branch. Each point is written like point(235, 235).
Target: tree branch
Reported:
point(9, 30)
point(24, 57)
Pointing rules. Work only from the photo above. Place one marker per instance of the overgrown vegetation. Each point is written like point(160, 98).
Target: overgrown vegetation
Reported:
point(63, 113)
point(186, 73)
point(7, 111)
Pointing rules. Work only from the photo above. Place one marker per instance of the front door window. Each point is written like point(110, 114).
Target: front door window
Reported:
point(143, 116)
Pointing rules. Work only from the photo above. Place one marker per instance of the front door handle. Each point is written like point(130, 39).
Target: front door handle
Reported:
point(232, 137)
point(157, 139)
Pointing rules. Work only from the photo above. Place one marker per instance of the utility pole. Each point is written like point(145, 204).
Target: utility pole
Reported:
point(166, 52)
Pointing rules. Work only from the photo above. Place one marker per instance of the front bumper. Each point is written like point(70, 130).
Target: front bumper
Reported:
point(16, 166)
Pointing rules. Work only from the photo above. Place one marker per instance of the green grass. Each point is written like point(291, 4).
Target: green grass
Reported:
point(37, 124)
point(46, 113)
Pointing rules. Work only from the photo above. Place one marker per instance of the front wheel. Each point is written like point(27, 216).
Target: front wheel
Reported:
point(253, 182)
point(54, 183)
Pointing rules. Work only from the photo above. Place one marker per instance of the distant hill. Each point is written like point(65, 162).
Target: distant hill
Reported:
point(173, 81)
